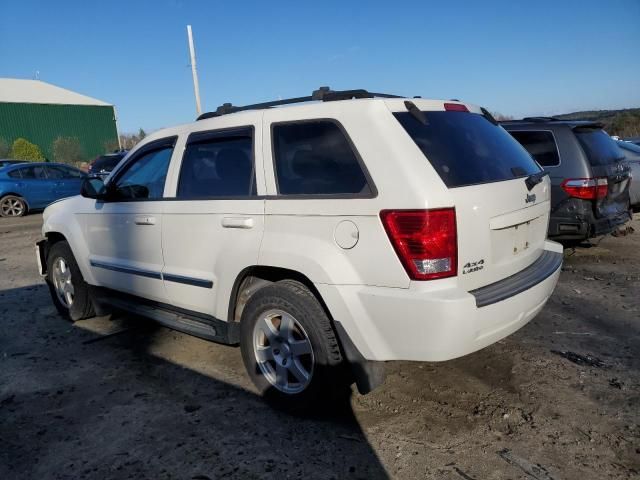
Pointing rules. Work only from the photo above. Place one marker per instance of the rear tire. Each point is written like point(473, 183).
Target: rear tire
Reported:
point(12, 206)
point(290, 349)
point(69, 291)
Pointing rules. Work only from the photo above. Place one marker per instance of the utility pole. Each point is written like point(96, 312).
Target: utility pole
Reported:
point(194, 72)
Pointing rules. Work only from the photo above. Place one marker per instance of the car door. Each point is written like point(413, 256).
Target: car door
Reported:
point(34, 186)
point(66, 180)
point(213, 228)
point(123, 232)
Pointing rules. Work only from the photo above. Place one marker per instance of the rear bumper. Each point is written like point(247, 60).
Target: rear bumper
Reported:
point(581, 224)
point(436, 325)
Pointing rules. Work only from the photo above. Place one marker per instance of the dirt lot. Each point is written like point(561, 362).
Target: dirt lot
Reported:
point(153, 403)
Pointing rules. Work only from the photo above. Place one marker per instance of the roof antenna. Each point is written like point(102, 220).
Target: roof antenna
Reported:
point(194, 72)
point(37, 75)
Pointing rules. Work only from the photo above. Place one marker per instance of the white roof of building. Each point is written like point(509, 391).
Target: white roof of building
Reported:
point(16, 90)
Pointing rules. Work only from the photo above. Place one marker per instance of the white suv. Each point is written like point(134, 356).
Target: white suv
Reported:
point(324, 237)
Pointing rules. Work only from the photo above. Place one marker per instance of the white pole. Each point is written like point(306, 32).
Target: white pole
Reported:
point(194, 72)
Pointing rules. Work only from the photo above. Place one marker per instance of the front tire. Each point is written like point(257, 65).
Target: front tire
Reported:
point(290, 349)
point(12, 206)
point(69, 291)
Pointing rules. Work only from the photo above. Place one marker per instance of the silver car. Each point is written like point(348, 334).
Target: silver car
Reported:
point(632, 155)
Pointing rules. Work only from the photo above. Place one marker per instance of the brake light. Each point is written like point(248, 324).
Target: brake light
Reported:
point(425, 240)
point(455, 107)
point(586, 188)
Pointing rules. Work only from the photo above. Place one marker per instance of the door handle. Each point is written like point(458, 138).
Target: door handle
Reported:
point(237, 222)
point(145, 220)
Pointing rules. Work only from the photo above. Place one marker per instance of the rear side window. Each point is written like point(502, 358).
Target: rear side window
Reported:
point(316, 158)
point(15, 173)
point(599, 147)
point(467, 149)
point(217, 165)
point(540, 144)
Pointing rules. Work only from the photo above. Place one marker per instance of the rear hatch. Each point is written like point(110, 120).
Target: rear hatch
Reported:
point(607, 162)
point(501, 223)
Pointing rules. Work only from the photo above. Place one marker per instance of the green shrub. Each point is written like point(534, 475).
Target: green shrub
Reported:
point(67, 150)
point(24, 150)
point(4, 148)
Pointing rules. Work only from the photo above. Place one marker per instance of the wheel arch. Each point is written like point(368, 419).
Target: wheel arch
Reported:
point(254, 277)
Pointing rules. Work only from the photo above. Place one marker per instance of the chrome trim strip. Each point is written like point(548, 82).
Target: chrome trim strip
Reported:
point(130, 270)
point(196, 282)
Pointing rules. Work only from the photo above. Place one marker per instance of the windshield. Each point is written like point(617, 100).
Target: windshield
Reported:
point(467, 149)
point(599, 147)
point(107, 163)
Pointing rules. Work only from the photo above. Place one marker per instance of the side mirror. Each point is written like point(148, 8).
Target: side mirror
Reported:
point(93, 187)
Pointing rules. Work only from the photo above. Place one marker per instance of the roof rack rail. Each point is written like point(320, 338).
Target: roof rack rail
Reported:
point(323, 94)
point(540, 119)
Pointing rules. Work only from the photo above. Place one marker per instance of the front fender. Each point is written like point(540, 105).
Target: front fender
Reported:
point(61, 218)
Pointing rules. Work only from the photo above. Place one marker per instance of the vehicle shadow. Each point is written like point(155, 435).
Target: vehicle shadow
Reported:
point(149, 402)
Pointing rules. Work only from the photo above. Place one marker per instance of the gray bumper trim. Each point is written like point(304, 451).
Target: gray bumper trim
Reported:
point(545, 266)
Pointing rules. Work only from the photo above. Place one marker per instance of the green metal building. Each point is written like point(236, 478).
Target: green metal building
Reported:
point(41, 112)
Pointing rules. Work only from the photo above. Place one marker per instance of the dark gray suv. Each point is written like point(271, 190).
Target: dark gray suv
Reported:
point(589, 177)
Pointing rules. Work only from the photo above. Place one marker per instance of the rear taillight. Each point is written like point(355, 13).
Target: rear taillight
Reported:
point(425, 240)
point(586, 188)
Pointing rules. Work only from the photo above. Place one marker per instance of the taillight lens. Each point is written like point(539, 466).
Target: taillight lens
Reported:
point(586, 188)
point(425, 240)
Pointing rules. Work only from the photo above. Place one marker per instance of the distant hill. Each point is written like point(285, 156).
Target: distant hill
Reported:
point(624, 123)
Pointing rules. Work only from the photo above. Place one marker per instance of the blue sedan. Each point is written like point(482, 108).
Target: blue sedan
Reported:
point(33, 186)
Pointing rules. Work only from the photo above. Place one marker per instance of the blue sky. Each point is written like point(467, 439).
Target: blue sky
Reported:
point(517, 58)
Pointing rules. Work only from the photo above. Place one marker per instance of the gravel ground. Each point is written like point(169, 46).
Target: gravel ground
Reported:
point(557, 400)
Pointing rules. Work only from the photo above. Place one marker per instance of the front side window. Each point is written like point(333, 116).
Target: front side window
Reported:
point(217, 165)
point(315, 158)
point(144, 177)
point(540, 144)
point(58, 172)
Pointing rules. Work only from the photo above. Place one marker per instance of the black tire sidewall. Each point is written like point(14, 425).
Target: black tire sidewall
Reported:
point(328, 380)
point(82, 306)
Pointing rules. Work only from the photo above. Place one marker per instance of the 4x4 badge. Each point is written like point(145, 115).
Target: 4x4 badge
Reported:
point(470, 267)
point(530, 198)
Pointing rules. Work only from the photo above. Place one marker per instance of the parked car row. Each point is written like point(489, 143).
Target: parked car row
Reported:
point(29, 186)
point(33, 186)
point(590, 178)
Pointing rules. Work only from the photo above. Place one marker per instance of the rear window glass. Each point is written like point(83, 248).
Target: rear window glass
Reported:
point(315, 158)
point(467, 149)
point(599, 147)
point(541, 145)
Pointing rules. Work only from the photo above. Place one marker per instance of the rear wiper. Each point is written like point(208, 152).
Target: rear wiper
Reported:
point(532, 180)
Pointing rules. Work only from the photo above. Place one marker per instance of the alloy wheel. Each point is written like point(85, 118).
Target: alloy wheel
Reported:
point(283, 351)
